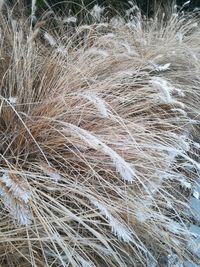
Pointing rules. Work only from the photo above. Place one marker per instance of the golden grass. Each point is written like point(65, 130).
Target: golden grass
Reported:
point(98, 132)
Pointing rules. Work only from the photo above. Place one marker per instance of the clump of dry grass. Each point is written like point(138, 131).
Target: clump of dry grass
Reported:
point(97, 142)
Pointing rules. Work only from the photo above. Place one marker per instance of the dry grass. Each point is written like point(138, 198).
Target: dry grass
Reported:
point(97, 133)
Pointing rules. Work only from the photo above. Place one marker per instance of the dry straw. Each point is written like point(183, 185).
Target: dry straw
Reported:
point(99, 141)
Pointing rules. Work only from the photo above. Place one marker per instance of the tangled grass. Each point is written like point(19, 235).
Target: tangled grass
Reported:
point(99, 141)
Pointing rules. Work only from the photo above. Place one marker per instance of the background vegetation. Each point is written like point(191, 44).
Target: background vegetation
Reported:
point(147, 6)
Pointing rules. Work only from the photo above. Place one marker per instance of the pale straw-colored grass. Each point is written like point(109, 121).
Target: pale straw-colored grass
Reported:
point(99, 141)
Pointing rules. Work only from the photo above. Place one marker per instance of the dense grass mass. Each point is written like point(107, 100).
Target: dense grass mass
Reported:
point(99, 139)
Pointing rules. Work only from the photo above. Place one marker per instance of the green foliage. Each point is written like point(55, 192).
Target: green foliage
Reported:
point(41, 4)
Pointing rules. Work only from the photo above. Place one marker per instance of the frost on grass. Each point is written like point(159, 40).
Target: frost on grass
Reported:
point(70, 19)
point(185, 184)
point(50, 39)
point(15, 196)
point(82, 262)
point(132, 9)
point(96, 52)
point(166, 91)
point(99, 103)
point(97, 12)
point(195, 194)
point(118, 228)
point(16, 187)
point(33, 10)
point(51, 172)
point(164, 88)
point(122, 167)
point(161, 68)
point(12, 100)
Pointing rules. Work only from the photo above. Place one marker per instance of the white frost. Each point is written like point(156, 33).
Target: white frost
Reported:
point(196, 194)
point(122, 167)
point(118, 229)
point(97, 11)
point(69, 19)
point(50, 39)
point(99, 104)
